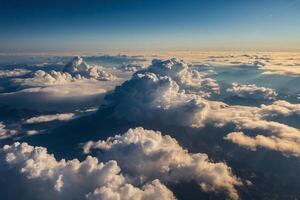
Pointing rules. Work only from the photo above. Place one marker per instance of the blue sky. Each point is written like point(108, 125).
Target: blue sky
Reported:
point(35, 25)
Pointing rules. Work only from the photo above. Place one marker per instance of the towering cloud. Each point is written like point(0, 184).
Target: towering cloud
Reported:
point(165, 89)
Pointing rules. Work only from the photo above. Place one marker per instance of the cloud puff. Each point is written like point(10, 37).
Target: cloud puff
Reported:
point(78, 68)
point(5, 133)
point(131, 67)
point(187, 78)
point(287, 147)
point(281, 107)
point(48, 118)
point(89, 179)
point(146, 155)
point(42, 78)
point(252, 91)
point(13, 73)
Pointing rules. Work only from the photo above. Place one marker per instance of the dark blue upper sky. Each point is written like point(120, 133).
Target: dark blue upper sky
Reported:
point(36, 25)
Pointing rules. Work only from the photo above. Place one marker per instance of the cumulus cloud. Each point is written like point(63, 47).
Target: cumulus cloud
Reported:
point(13, 73)
point(187, 78)
point(146, 155)
point(165, 89)
point(131, 67)
point(5, 133)
point(89, 179)
point(281, 107)
point(287, 147)
point(48, 118)
point(279, 137)
point(78, 68)
point(252, 91)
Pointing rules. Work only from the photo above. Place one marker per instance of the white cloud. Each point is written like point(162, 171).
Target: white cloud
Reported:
point(42, 78)
point(32, 132)
point(131, 67)
point(48, 118)
point(13, 73)
point(281, 108)
point(187, 78)
point(146, 155)
point(287, 147)
point(78, 68)
point(73, 179)
point(252, 91)
point(163, 90)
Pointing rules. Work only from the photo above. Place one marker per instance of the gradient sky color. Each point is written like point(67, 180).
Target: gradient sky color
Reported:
point(73, 25)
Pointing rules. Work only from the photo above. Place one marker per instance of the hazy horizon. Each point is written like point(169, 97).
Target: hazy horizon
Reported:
point(265, 25)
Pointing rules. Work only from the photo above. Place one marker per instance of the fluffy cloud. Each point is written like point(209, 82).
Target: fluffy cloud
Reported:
point(146, 155)
point(286, 146)
point(278, 136)
point(42, 78)
point(75, 71)
point(187, 78)
point(62, 97)
point(78, 68)
point(13, 73)
point(281, 107)
point(252, 91)
point(48, 118)
point(89, 179)
point(165, 89)
point(131, 67)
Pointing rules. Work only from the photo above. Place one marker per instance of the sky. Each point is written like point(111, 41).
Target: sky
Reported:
point(77, 25)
